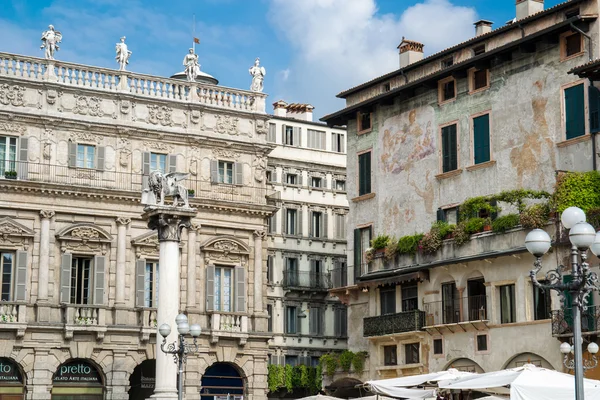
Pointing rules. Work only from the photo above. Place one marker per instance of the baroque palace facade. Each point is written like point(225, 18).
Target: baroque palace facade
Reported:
point(80, 266)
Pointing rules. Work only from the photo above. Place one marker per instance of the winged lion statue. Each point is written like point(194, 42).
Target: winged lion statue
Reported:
point(163, 185)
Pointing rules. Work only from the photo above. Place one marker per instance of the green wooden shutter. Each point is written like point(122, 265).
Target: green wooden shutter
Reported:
point(238, 170)
point(368, 173)
point(445, 150)
point(574, 112)
point(481, 139)
point(453, 148)
point(214, 171)
point(172, 160)
point(594, 108)
point(140, 280)
point(357, 253)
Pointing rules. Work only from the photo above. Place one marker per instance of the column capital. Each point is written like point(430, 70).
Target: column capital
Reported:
point(260, 234)
point(194, 227)
point(123, 221)
point(168, 221)
point(47, 213)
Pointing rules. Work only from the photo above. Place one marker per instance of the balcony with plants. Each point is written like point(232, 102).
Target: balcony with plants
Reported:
point(389, 324)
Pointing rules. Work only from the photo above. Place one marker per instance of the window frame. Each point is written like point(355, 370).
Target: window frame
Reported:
point(390, 355)
point(441, 83)
point(359, 128)
point(222, 176)
point(153, 303)
point(479, 50)
point(441, 147)
point(294, 223)
point(156, 156)
point(471, 76)
point(11, 289)
point(336, 185)
point(8, 163)
point(358, 172)
point(563, 46)
point(472, 119)
point(387, 290)
point(86, 147)
point(548, 298)
point(316, 226)
point(415, 299)
point(406, 353)
point(586, 119)
point(79, 283)
point(338, 142)
point(447, 62)
point(295, 320)
point(219, 289)
point(433, 347)
point(289, 134)
point(487, 343)
point(295, 175)
point(319, 179)
point(513, 311)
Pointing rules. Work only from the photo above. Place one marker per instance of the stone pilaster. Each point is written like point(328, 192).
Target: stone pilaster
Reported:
point(191, 266)
point(122, 223)
point(43, 311)
point(259, 236)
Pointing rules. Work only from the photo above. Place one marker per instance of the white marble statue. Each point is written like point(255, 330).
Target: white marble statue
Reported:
point(258, 76)
point(123, 54)
point(161, 185)
point(192, 67)
point(50, 40)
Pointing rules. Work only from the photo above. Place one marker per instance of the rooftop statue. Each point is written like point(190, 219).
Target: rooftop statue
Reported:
point(192, 68)
point(258, 76)
point(163, 185)
point(123, 54)
point(50, 40)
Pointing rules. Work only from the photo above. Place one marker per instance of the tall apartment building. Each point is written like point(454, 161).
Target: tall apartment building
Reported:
point(501, 111)
point(80, 266)
point(306, 238)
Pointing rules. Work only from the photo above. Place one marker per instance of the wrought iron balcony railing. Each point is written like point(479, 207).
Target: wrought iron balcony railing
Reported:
point(306, 280)
point(408, 321)
point(562, 321)
point(339, 277)
point(474, 308)
point(122, 181)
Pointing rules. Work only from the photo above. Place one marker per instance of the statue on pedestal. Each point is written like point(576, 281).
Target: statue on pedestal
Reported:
point(258, 76)
point(123, 54)
point(161, 185)
point(190, 61)
point(50, 40)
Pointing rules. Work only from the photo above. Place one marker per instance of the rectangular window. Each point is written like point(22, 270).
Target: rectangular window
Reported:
point(364, 173)
point(574, 111)
point(478, 79)
point(450, 303)
point(337, 143)
point(8, 262)
point(291, 271)
point(291, 179)
point(482, 342)
point(270, 260)
point(289, 136)
point(151, 284)
point(481, 139)
point(387, 87)
point(86, 156)
point(410, 294)
point(81, 280)
point(340, 185)
point(438, 346)
point(270, 318)
point(364, 122)
point(316, 274)
point(291, 221)
point(315, 139)
point(387, 296)
point(572, 45)
point(158, 162)
point(316, 227)
point(449, 148)
point(225, 172)
point(340, 226)
point(446, 90)
point(390, 355)
point(507, 304)
point(272, 133)
point(411, 353)
point(448, 62)
point(8, 154)
point(340, 327)
point(316, 321)
point(291, 319)
point(292, 361)
point(449, 215)
point(478, 50)
point(224, 289)
point(269, 175)
point(541, 304)
point(316, 182)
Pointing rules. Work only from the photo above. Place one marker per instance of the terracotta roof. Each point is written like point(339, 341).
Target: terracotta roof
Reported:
point(466, 43)
point(587, 69)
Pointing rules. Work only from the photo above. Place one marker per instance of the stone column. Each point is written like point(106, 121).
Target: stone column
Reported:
point(169, 222)
point(46, 216)
point(259, 236)
point(122, 223)
point(191, 266)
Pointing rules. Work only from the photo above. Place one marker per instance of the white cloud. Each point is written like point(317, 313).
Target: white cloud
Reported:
point(341, 43)
point(285, 74)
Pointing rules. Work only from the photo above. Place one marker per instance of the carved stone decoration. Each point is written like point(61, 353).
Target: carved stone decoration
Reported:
point(85, 233)
point(158, 145)
point(12, 127)
point(124, 156)
point(195, 116)
point(225, 246)
point(146, 245)
point(52, 95)
point(160, 115)
point(169, 225)
point(88, 106)
point(262, 127)
point(260, 166)
point(12, 95)
point(260, 234)
point(14, 234)
point(84, 237)
point(79, 137)
point(47, 150)
point(225, 249)
point(123, 221)
point(47, 214)
point(225, 153)
point(125, 106)
point(227, 125)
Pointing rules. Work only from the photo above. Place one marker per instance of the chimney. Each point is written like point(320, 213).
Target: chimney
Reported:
point(525, 8)
point(280, 108)
point(410, 52)
point(302, 112)
point(482, 27)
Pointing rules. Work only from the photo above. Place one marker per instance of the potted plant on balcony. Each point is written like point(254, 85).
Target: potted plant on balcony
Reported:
point(379, 244)
point(535, 216)
point(505, 223)
point(10, 174)
point(391, 249)
point(191, 193)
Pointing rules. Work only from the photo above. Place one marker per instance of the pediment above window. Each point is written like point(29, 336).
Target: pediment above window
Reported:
point(84, 238)
point(13, 234)
point(225, 249)
point(146, 245)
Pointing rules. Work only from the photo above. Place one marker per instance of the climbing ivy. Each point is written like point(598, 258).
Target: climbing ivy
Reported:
point(579, 189)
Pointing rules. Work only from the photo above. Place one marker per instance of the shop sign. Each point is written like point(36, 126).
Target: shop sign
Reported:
point(77, 372)
point(9, 371)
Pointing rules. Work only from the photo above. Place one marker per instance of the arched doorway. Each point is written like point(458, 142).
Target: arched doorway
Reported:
point(77, 379)
point(528, 358)
point(222, 381)
point(346, 388)
point(141, 381)
point(465, 365)
point(12, 385)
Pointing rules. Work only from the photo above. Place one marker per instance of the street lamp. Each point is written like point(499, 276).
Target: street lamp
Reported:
point(180, 352)
point(592, 348)
point(582, 236)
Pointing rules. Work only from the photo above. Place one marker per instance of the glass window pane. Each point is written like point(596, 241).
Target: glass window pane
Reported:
point(227, 290)
point(218, 289)
point(7, 263)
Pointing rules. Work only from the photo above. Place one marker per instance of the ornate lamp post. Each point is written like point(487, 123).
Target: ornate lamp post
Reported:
point(592, 363)
point(582, 236)
point(180, 351)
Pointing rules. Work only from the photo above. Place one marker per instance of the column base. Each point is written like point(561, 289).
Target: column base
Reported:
point(163, 396)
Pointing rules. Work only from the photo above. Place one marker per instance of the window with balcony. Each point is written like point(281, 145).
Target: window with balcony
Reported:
point(7, 275)
point(225, 172)
point(82, 279)
point(541, 303)
point(318, 224)
point(387, 297)
point(158, 162)
point(316, 182)
point(411, 353)
point(291, 320)
point(390, 355)
point(8, 155)
point(477, 299)
point(317, 275)
point(151, 276)
point(86, 156)
point(339, 274)
point(450, 303)
point(224, 289)
point(449, 215)
point(292, 221)
point(410, 294)
point(449, 148)
point(438, 346)
point(338, 144)
point(291, 270)
point(364, 173)
point(315, 139)
point(362, 240)
point(291, 360)
point(507, 304)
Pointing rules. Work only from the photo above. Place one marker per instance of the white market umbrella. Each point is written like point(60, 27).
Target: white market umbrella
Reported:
point(320, 397)
point(528, 383)
point(400, 393)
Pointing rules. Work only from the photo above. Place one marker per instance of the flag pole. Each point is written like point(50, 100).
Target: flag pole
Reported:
point(194, 35)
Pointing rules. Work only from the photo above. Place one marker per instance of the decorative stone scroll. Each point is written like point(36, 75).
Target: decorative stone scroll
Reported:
point(14, 235)
point(225, 249)
point(12, 95)
point(84, 238)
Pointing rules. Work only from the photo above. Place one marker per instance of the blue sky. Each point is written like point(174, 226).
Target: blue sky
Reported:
point(312, 49)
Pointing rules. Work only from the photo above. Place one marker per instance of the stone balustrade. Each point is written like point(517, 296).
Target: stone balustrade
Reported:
point(147, 317)
point(75, 314)
point(229, 323)
point(104, 79)
point(12, 312)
